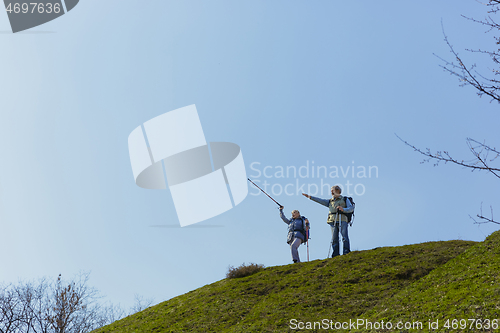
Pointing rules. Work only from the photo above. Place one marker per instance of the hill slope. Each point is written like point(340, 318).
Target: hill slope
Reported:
point(346, 287)
point(467, 287)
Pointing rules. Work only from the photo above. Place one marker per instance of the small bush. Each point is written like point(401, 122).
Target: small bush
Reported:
point(243, 270)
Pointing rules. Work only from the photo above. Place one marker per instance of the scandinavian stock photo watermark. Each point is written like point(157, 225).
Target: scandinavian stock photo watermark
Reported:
point(366, 324)
point(310, 178)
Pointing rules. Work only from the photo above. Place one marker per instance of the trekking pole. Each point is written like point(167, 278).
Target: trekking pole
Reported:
point(331, 241)
point(308, 225)
point(264, 192)
point(308, 245)
point(330, 247)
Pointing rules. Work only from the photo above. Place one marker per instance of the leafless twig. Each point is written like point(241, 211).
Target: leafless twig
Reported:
point(483, 219)
point(480, 151)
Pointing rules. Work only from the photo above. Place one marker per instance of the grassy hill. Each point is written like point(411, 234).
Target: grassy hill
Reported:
point(435, 280)
point(466, 287)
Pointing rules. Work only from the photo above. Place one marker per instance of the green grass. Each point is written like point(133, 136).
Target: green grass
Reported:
point(420, 281)
point(466, 287)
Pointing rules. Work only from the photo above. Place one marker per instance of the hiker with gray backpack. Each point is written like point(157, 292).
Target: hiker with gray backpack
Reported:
point(298, 228)
point(298, 231)
point(340, 215)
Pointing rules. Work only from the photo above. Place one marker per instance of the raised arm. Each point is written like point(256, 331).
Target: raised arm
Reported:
point(283, 217)
point(324, 202)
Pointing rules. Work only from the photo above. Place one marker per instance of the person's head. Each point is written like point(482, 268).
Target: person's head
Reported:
point(336, 190)
point(295, 214)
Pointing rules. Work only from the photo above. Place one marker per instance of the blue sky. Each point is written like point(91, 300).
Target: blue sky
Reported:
point(291, 82)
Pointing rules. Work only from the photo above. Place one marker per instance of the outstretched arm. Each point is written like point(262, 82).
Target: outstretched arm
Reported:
point(324, 202)
point(283, 217)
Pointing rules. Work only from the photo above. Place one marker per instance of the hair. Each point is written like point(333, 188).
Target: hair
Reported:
point(293, 211)
point(337, 188)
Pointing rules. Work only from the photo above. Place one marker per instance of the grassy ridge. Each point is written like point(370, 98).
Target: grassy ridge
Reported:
point(467, 287)
point(343, 288)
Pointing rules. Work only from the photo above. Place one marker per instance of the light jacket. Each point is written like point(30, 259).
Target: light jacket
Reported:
point(333, 203)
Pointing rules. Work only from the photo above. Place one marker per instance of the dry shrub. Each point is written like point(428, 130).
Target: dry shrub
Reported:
point(243, 270)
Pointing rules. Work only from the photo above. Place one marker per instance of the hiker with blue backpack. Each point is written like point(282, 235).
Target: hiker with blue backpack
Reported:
point(340, 215)
point(298, 227)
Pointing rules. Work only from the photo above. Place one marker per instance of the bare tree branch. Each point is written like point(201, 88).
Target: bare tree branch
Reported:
point(483, 219)
point(479, 163)
point(481, 153)
point(54, 307)
point(467, 75)
point(141, 303)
